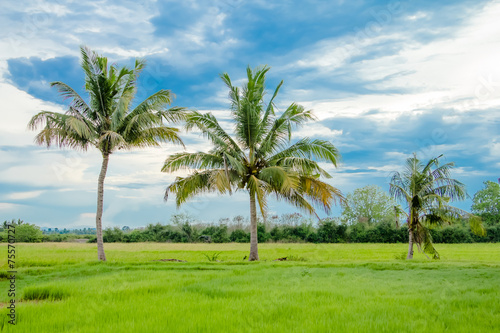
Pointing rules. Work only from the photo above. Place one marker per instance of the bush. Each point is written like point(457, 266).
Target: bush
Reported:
point(276, 234)
point(492, 235)
point(240, 236)
point(112, 235)
point(330, 232)
point(25, 233)
point(190, 233)
point(356, 233)
point(216, 233)
point(134, 236)
point(451, 235)
point(163, 233)
point(262, 235)
point(297, 234)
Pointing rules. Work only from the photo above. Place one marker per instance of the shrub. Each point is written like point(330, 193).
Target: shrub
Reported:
point(451, 235)
point(112, 235)
point(330, 232)
point(134, 236)
point(217, 233)
point(240, 236)
point(25, 233)
point(262, 235)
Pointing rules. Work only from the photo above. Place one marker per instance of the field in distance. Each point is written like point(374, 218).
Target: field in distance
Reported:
point(61, 287)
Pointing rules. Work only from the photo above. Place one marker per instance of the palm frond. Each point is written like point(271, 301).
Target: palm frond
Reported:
point(397, 188)
point(186, 160)
point(279, 178)
point(174, 114)
point(151, 137)
point(110, 140)
point(62, 129)
point(279, 131)
point(77, 104)
point(198, 183)
point(310, 148)
point(151, 106)
point(321, 194)
point(301, 165)
point(259, 188)
point(423, 238)
point(211, 129)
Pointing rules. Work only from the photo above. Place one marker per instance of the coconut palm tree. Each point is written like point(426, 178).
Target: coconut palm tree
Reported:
point(107, 120)
point(257, 159)
point(427, 189)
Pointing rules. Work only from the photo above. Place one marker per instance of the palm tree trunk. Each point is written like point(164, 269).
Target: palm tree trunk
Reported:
point(410, 243)
point(100, 199)
point(254, 253)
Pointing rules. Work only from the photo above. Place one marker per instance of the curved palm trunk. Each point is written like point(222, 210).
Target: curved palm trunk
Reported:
point(254, 253)
point(100, 199)
point(410, 244)
point(411, 229)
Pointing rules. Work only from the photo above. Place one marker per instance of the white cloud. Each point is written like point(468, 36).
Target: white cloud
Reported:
point(41, 7)
point(396, 155)
point(316, 129)
point(24, 195)
point(16, 109)
point(494, 149)
point(84, 220)
point(7, 206)
point(52, 168)
point(402, 76)
point(457, 73)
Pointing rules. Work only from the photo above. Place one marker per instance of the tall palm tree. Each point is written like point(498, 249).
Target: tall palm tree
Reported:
point(107, 120)
point(427, 190)
point(257, 160)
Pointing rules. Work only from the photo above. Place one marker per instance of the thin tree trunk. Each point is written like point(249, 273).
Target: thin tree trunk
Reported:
point(410, 243)
point(100, 199)
point(254, 253)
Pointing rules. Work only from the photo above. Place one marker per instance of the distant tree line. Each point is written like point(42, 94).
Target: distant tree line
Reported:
point(326, 231)
point(289, 228)
point(369, 216)
point(31, 233)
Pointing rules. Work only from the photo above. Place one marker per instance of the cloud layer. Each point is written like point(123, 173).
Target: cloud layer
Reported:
point(384, 79)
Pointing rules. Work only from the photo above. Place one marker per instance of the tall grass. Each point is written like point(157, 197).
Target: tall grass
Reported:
point(40, 293)
point(354, 289)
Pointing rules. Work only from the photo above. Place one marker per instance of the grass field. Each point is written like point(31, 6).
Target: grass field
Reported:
point(61, 287)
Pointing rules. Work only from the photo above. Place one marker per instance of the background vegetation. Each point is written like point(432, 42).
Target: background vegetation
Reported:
point(369, 216)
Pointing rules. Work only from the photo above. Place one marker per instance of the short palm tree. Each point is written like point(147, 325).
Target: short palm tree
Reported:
point(107, 120)
point(258, 159)
point(427, 190)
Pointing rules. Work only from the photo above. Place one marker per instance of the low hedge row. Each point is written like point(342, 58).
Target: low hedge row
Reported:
point(325, 232)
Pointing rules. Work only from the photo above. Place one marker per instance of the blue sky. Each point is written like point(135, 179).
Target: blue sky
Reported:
point(385, 79)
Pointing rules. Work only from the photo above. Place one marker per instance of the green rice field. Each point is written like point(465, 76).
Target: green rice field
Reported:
point(61, 287)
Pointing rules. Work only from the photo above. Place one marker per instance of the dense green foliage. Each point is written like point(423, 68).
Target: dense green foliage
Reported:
point(289, 228)
point(486, 203)
point(22, 232)
point(329, 288)
point(327, 231)
point(370, 204)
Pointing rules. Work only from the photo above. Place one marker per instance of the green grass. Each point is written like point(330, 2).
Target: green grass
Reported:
point(326, 288)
